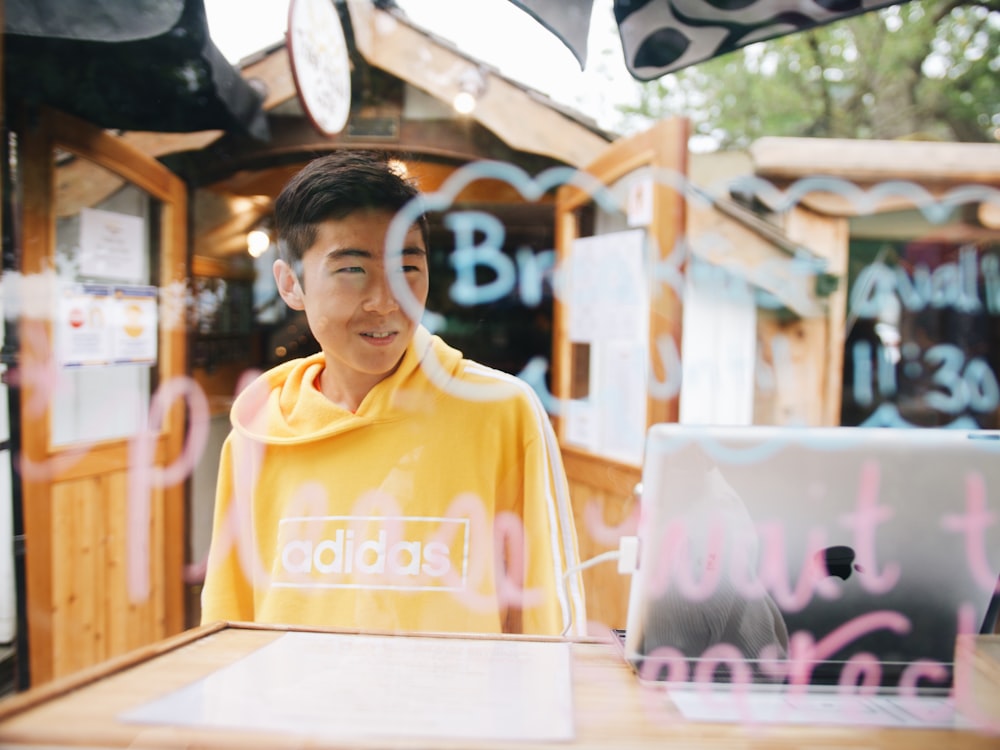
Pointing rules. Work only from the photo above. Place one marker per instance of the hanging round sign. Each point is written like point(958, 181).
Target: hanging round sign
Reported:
point(320, 62)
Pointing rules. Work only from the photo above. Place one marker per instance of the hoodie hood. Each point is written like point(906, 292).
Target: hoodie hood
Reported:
point(284, 406)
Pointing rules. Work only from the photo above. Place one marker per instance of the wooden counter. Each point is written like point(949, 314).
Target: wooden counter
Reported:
point(610, 708)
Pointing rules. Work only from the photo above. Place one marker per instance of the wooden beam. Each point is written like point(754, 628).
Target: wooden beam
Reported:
point(829, 238)
point(863, 203)
point(274, 72)
point(926, 162)
point(515, 114)
point(35, 335)
point(248, 167)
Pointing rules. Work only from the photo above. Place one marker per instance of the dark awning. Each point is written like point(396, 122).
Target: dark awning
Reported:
point(661, 36)
point(128, 65)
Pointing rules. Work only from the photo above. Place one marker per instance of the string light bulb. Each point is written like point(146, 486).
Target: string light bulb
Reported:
point(471, 87)
point(258, 241)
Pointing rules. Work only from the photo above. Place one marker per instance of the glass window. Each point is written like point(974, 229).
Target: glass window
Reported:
point(106, 231)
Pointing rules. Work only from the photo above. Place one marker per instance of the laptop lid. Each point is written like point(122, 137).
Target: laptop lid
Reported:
point(824, 556)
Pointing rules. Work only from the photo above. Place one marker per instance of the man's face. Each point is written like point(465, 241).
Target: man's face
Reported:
point(347, 298)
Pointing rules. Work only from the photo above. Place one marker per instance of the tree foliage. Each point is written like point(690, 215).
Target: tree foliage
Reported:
point(926, 69)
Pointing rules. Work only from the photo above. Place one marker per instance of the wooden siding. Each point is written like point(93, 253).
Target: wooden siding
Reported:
point(605, 508)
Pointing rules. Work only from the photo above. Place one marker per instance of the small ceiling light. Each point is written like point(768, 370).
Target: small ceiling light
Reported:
point(464, 103)
point(471, 87)
point(258, 241)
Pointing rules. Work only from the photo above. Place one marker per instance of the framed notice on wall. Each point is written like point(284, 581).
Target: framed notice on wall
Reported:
point(112, 245)
point(608, 313)
point(135, 325)
point(104, 324)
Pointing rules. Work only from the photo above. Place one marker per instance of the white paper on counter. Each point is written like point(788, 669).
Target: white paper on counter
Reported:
point(334, 686)
point(814, 708)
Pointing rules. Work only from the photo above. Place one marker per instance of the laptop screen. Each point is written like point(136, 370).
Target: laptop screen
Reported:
point(834, 555)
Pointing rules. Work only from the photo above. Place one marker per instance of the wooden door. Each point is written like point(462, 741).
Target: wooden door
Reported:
point(102, 355)
point(614, 380)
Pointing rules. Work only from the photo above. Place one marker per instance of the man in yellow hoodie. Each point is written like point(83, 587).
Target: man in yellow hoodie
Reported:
point(385, 483)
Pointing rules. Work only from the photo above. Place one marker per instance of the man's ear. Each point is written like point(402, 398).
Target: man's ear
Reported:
point(288, 285)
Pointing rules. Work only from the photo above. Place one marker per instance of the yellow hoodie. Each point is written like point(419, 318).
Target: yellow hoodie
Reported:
point(439, 506)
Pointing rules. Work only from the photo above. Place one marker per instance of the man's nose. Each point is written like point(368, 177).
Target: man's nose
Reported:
point(381, 298)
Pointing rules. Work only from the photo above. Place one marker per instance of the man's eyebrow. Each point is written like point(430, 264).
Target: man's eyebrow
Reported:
point(354, 252)
point(348, 252)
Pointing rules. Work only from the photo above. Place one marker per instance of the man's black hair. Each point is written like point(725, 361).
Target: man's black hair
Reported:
point(335, 186)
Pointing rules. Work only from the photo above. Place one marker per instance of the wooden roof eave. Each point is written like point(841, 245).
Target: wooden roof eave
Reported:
point(867, 166)
point(512, 112)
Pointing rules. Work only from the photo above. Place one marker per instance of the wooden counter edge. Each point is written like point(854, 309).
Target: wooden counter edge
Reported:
point(462, 636)
point(61, 686)
point(37, 695)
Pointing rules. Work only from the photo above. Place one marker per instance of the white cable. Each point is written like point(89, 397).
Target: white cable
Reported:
point(625, 554)
point(611, 554)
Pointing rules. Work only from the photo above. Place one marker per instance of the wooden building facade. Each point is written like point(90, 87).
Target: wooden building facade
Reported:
point(738, 310)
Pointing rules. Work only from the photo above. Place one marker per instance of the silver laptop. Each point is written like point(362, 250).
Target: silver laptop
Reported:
point(823, 556)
